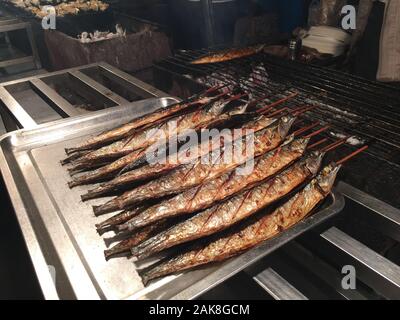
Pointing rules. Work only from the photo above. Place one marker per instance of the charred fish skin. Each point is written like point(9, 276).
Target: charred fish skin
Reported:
point(233, 210)
point(216, 190)
point(192, 175)
point(152, 170)
point(151, 135)
point(128, 128)
point(250, 235)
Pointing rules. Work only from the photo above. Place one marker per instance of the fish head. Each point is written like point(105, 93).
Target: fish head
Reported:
point(298, 145)
point(220, 106)
point(241, 108)
point(285, 123)
point(288, 140)
point(327, 177)
point(313, 161)
point(264, 121)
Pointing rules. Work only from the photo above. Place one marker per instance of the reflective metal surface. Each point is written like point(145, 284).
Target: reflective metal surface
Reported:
point(277, 286)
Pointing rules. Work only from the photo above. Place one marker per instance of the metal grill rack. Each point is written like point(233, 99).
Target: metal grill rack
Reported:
point(311, 266)
point(353, 106)
point(72, 92)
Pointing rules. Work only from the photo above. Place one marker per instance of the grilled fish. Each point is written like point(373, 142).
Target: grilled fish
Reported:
point(138, 237)
point(228, 55)
point(231, 211)
point(252, 233)
point(193, 174)
point(119, 218)
point(107, 171)
point(228, 184)
point(176, 126)
point(152, 170)
point(127, 129)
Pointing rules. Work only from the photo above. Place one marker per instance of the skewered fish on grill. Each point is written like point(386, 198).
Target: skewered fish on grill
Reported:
point(233, 210)
point(201, 171)
point(227, 55)
point(253, 233)
point(220, 188)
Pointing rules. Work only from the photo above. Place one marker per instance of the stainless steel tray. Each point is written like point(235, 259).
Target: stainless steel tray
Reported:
point(59, 229)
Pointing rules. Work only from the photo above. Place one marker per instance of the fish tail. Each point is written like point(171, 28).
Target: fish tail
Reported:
point(92, 194)
point(69, 151)
point(105, 208)
point(108, 253)
point(73, 184)
point(133, 165)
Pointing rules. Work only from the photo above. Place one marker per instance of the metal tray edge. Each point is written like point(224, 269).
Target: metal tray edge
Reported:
point(38, 260)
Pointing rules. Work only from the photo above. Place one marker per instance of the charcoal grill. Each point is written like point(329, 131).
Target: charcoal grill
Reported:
point(352, 106)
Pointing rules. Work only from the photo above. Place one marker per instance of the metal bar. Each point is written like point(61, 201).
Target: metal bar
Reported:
point(98, 87)
point(277, 286)
point(58, 103)
point(385, 217)
point(6, 21)
point(12, 62)
point(368, 261)
point(12, 27)
point(40, 265)
point(34, 49)
point(23, 119)
point(207, 7)
point(7, 120)
point(126, 80)
point(46, 75)
point(321, 269)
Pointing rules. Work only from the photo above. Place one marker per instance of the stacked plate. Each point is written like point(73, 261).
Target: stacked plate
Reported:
point(328, 40)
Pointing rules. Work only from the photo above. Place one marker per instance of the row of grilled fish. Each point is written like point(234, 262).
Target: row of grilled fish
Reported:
point(210, 200)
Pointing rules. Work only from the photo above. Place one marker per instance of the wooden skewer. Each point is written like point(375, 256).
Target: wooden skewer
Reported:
point(313, 134)
point(215, 88)
point(317, 143)
point(220, 95)
point(274, 104)
point(237, 97)
point(302, 130)
point(254, 102)
point(335, 144)
point(304, 110)
point(277, 112)
point(347, 158)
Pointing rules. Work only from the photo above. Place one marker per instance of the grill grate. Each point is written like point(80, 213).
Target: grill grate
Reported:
point(351, 105)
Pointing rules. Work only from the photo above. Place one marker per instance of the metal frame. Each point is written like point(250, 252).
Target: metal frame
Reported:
point(8, 24)
point(374, 270)
point(85, 83)
point(277, 286)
